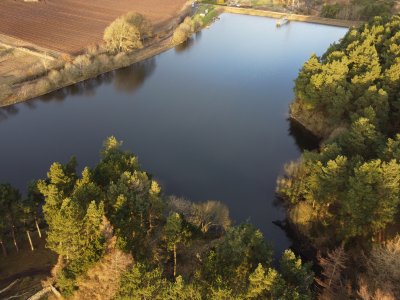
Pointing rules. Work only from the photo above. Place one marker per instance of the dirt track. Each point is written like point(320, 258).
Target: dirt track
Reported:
point(71, 25)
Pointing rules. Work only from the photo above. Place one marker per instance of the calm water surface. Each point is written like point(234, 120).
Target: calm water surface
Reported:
point(208, 119)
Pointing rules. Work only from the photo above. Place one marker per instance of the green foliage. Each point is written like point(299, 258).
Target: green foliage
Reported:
point(372, 199)
point(141, 282)
point(358, 9)
point(293, 282)
point(330, 10)
point(74, 213)
point(350, 189)
point(242, 249)
point(296, 274)
point(356, 78)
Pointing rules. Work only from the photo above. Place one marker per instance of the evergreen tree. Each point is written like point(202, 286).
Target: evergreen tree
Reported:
point(176, 233)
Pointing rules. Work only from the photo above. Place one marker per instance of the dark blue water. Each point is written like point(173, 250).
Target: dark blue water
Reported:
point(208, 119)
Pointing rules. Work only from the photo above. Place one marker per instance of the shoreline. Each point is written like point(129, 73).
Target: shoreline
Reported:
point(163, 43)
point(290, 17)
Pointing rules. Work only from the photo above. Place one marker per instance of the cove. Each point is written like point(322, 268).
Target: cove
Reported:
point(209, 118)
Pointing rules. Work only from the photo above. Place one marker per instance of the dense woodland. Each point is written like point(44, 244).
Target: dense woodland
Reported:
point(348, 193)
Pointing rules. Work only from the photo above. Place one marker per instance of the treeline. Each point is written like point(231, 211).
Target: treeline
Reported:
point(112, 220)
point(358, 9)
point(19, 217)
point(348, 193)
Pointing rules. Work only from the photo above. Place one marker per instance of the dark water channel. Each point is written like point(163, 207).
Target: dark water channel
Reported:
point(208, 119)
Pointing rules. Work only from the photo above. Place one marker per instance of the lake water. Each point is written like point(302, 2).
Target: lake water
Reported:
point(208, 119)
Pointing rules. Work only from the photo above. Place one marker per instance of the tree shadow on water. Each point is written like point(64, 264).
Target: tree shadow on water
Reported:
point(185, 46)
point(131, 78)
point(126, 80)
point(303, 138)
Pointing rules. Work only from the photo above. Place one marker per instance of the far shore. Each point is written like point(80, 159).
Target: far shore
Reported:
point(163, 43)
point(290, 17)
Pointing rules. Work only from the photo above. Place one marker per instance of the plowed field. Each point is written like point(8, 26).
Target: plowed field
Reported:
point(71, 25)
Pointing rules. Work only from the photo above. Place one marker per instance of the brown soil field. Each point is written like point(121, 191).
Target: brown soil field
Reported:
point(71, 25)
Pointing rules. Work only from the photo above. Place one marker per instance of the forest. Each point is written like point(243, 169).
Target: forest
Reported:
point(346, 196)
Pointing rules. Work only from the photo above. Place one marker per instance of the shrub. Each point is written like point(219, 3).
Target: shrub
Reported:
point(330, 10)
point(42, 86)
point(26, 90)
point(104, 61)
point(127, 32)
point(55, 77)
point(5, 91)
point(70, 72)
point(35, 69)
point(92, 50)
point(81, 62)
point(121, 60)
point(183, 32)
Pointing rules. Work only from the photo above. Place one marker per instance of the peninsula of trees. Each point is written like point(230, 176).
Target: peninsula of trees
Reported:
point(347, 195)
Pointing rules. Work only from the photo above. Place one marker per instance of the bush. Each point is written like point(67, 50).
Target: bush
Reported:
point(55, 77)
point(70, 72)
point(82, 62)
point(35, 69)
point(5, 91)
point(26, 90)
point(42, 86)
point(121, 60)
point(127, 32)
point(330, 10)
point(179, 36)
point(207, 216)
point(104, 61)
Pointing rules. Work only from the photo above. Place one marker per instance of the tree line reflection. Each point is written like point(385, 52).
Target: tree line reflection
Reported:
point(126, 80)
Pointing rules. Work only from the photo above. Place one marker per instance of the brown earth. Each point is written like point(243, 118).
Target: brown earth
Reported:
point(71, 25)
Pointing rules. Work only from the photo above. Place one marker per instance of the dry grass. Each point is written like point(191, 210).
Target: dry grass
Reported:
point(16, 65)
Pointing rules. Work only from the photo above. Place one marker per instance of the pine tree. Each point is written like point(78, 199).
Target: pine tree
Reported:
point(176, 234)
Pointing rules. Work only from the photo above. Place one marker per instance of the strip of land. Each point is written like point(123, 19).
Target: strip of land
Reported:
point(290, 17)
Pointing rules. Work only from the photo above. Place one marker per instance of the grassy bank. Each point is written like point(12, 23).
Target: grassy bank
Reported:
point(291, 17)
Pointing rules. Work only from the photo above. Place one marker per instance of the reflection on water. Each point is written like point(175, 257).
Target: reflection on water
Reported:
point(8, 111)
point(132, 77)
point(126, 79)
point(185, 46)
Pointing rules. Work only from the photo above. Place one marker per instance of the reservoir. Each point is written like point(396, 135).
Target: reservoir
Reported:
point(209, 119)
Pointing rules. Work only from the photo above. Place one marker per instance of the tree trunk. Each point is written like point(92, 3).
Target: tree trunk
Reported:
point(30, 240)
point(150, 224)
point(3, 247)
point(141, 220)
point(38, 228)
point(174, 260)
point(14, 239)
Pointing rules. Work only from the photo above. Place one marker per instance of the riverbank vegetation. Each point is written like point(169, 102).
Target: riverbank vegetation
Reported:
point(204, 15)
point(348, 194)
point(347, 10)
point(112, 226)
